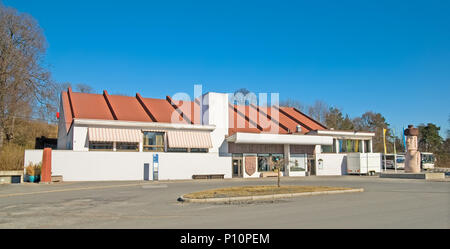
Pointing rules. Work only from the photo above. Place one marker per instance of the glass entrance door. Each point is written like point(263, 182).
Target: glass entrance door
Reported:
point(237, 167)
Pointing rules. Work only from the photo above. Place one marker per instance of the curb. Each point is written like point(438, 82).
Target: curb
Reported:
point(266, 197)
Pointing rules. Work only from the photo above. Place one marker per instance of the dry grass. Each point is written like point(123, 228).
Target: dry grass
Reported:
point(11, 157)
point(257, 190)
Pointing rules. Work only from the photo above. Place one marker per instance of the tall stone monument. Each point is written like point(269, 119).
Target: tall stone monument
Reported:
point(412, 158)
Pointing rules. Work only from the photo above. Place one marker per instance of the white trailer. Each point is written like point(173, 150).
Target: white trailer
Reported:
point(363, 163)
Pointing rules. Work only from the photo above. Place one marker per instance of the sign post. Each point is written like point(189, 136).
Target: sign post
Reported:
point(155, 167)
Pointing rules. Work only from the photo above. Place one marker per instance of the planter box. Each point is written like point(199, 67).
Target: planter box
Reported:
point(11, 176)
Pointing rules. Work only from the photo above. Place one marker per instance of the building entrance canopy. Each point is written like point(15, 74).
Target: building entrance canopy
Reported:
point(266, 138)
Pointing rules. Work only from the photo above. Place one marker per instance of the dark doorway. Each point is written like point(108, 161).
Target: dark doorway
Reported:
point(237, 167)
point(146, 172)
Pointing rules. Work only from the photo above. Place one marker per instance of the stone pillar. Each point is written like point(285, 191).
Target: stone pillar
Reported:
point(412, 158)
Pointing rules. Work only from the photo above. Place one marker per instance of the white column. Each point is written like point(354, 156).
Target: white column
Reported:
point(318, 149)
point(141, 143)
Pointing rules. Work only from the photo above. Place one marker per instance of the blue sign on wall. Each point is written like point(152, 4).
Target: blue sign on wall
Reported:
point(155, 158)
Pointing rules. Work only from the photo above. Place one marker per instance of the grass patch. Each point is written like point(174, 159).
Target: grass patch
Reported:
point(257, 190)
point(11, 157)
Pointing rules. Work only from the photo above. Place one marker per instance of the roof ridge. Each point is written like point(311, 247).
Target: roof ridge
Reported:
point(108, 102)
point(246, 117)
point(146, 109)
point(176, 107)
point(277, 122)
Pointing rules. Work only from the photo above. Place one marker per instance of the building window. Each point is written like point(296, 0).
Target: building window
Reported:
point(367, 146)
point(263, 162)
point(341, 145)
point(177, 150)
point(329, 148)
point(268, 162)
point(297, 162)
point(350, 145)
point(127, 146)
point(360, 144)
point(101, 146)
point(153, 141)
point(277, 159)
point(199, 150)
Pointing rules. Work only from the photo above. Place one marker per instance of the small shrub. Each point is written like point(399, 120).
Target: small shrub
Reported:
point(33, 169)
point(30, 170)
point(37, 169)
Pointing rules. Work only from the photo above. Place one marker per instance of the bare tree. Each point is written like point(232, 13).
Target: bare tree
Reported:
point(243, 96)
point(25, 86)
point(293, 103)
point(84, 88)
point(80, 87)
point(278, 164)
point(318, 111)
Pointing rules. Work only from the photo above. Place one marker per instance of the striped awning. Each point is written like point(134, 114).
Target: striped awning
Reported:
point(114, 135)
point(189, 139)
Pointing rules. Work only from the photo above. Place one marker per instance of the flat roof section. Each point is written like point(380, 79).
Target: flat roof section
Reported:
point(266, 138)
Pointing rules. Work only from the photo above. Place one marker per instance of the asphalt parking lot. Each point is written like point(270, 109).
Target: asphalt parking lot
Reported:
point(385, 203)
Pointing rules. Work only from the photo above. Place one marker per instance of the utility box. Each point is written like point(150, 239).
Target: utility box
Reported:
point(363, 163)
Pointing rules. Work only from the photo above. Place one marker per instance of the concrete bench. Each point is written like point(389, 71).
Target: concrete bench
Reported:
point(269, 174)
point(57, 178)
point(212, 176)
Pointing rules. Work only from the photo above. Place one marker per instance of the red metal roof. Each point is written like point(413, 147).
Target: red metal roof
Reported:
point(253, 119)
point(90, 106)
point(128, 108)
point(281, 120)
point(239, 122)
point(304, 120)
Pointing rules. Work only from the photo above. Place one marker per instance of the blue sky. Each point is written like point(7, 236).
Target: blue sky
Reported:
point(391, 57)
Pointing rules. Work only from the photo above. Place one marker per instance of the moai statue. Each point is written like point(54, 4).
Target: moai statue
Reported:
point(412, 158)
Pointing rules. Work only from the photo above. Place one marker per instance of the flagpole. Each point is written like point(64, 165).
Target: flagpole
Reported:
point(384, 143)
point(395, 152)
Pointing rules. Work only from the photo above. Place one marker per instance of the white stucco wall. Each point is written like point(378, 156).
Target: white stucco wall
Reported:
point(80, 138)
point(183, 166)
point(112, 166)
point(215, 112)
point(333, 164)
point(32, 156)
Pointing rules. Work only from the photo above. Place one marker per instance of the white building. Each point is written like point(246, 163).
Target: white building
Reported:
point(112, 137)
